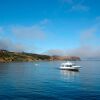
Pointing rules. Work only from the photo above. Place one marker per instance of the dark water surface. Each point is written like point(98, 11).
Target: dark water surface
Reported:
point(28, 81)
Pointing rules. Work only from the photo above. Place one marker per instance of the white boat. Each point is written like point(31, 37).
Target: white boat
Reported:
point(69, 66)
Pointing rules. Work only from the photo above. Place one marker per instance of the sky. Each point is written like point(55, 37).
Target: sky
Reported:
point(54, 27)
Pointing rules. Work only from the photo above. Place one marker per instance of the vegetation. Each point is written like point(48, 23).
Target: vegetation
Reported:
point(6, 56)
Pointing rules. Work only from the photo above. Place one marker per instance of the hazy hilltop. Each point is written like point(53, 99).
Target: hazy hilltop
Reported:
point(7, 56)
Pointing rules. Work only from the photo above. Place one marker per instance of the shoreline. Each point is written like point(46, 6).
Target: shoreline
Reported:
point(7, 56)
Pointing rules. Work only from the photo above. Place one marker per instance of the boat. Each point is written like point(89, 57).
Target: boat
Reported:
point(69, 66)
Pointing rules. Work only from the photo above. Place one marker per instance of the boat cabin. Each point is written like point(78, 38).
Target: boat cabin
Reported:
point(68, 64)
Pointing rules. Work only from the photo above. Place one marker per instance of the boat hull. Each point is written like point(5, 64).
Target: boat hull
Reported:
point(74, 68)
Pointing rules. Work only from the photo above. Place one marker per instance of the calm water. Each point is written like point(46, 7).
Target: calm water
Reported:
point(27, 81)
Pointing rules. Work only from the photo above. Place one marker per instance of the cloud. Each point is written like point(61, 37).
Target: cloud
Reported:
point(85, 51)
point(82, 51)
point(1, 31)
point(36, 31)
point(88, 46)
point(28, 32)
point(88, 36)
point(7, 44)
point(18, 37)
point(55, 52)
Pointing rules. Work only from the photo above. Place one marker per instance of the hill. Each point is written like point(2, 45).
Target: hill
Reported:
point(7, 56)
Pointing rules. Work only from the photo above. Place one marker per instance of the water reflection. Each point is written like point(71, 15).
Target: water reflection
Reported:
point(69, 74)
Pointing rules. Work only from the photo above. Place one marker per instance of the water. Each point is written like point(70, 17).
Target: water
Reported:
point(44, 81)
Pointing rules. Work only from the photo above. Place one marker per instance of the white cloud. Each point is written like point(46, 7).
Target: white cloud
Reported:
point(7, 44)
point(28, 32)
point(88, 36)
point(82, 51)
point(85, 51)
point(36, 31)
point(55, 52)
point(86, 47)
point(21, 34)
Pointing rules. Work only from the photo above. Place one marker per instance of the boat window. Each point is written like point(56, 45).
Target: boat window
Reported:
point(68, 65)
point(62, 65)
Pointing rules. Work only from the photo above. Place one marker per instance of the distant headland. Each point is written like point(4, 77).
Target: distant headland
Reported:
point(8, 56)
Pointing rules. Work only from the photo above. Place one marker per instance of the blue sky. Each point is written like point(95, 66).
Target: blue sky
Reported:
point(66, 27)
